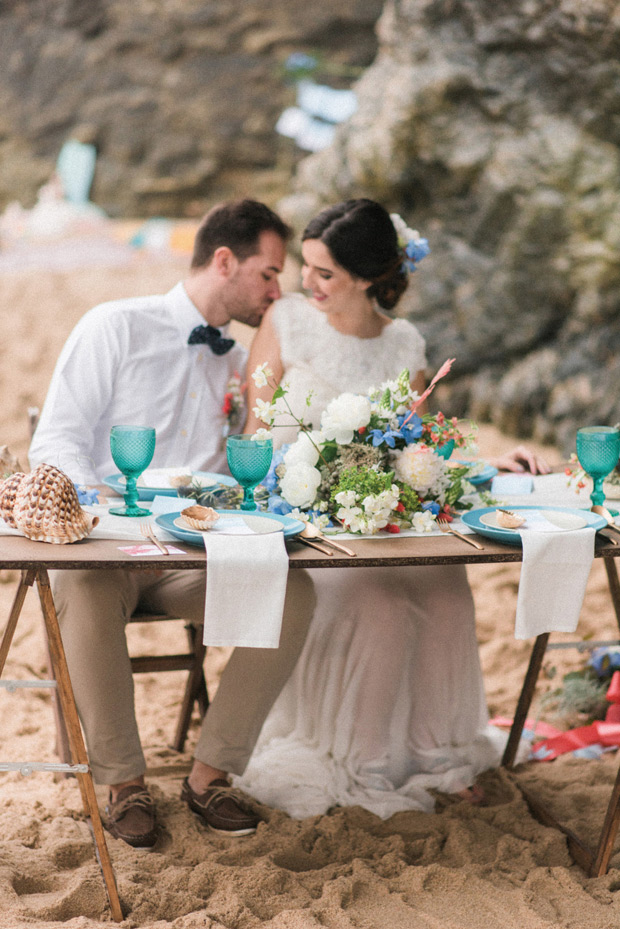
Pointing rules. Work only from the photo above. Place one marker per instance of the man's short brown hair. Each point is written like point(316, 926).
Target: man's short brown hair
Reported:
point(238, 226)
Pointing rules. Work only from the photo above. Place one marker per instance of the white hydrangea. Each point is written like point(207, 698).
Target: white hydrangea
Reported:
point(344, 416)
point(299, 484)
point(305, 448)
point(421, 468)
point(378, 507)
point(352, 517)
point(346, 498)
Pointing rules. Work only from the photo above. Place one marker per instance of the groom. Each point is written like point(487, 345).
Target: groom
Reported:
point(163, 361)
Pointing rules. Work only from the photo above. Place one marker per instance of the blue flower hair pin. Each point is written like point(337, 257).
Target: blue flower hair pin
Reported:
point(413, 245)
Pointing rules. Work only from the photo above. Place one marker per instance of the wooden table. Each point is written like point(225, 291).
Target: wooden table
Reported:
point(35, 559)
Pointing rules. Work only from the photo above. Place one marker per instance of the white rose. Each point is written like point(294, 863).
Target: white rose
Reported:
point(299, 484)
point(344, 416)
point(304, 449)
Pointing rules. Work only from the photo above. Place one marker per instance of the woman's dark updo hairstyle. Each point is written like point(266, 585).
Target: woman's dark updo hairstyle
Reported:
point(362, 239)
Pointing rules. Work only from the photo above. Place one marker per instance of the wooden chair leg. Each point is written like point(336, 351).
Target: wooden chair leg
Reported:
point(195, 688)
point(76, 741)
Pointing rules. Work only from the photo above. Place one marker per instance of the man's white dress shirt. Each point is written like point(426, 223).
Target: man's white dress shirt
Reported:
point(128, 362)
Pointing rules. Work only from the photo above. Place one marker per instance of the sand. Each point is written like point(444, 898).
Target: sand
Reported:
point(471, 868)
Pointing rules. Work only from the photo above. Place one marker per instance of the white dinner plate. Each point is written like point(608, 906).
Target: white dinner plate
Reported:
point(557, 518)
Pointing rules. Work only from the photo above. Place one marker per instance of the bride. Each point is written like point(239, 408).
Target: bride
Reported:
point(387, 700)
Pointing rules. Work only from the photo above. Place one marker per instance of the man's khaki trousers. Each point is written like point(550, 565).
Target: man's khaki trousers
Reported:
point(93, 609)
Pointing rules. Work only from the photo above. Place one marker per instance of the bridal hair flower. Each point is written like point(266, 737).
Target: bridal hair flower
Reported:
point(413, 245)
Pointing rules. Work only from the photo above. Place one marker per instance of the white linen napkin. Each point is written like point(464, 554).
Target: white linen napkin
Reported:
point(246, 586)
point(554, 574)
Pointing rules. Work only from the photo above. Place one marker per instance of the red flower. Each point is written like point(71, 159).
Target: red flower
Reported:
point(392, 527)
point(228, 404)
point(361, 430)
point(400, 508)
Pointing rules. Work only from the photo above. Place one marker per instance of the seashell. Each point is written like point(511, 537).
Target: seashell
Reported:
point(507, 519)
point(8, 491)
point(200, 517)
point(43, 504)
point(180, 480)
point(9, 463)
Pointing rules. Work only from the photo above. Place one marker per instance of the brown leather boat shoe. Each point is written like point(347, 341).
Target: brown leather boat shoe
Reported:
point(131, 817)
point(221, 808)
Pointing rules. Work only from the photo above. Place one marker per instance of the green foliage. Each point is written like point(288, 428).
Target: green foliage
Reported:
point(364, 482)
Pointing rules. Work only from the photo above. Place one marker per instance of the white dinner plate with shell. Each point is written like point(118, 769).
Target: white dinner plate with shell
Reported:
point(557, 518)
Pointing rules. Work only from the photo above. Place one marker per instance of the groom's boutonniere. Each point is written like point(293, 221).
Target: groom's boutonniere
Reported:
point(232, 405)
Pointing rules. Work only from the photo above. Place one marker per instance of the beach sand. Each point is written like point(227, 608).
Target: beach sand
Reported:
point(465, 867)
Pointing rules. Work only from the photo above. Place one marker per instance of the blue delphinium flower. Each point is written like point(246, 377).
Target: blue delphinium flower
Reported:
point(277, 504)
point(416, 250)
point(412, 430)
point(432, 506)
point(87, 495)
point(389, 437)
point(271, 480)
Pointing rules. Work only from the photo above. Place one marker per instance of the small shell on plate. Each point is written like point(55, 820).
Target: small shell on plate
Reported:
point(508, 520)
point(180, 480)
point(199, 517)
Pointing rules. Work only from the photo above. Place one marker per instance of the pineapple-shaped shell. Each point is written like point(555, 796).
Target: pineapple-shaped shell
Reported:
point(44, 506)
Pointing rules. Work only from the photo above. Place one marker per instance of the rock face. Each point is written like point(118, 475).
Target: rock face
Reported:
point(493, 126)
point(180, 98)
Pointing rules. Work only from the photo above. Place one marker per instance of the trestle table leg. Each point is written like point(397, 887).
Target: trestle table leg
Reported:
point(26, 581)
point(614, 585)
point(76, 740)
point(525, 699)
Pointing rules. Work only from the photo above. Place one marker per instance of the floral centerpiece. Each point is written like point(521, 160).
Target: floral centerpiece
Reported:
point(374, 464)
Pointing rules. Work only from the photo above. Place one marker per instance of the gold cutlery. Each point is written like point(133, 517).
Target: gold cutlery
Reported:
point(311, 532)
point(443, 525)
point(604, 512)
point(148, 532)
point(313, 544)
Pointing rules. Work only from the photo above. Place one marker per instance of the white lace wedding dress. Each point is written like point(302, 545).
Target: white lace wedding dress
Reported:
point(387, 699)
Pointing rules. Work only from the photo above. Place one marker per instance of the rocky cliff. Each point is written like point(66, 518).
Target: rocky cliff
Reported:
point(493, 126)
point(180, 97)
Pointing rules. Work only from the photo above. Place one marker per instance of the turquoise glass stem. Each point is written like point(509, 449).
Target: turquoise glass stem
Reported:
point(132, 449)
point(249, 460)
point(598, 449)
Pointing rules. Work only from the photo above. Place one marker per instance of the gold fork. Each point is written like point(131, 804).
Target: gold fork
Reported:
point(148, 532)
point(444, 526)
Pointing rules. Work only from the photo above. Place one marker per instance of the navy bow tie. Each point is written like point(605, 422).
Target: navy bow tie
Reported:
point(209, 335)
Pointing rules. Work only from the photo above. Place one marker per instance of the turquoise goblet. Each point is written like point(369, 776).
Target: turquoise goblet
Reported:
point(598, 449)
point(132, 449)
point(248, 460)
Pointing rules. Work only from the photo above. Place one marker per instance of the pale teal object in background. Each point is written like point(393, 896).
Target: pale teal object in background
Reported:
point(76, 168)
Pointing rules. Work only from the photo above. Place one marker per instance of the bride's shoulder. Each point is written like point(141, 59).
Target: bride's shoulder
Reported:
point(401, 329)
point(292, 311)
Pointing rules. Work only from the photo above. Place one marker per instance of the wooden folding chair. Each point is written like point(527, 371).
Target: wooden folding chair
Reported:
point(195, 691)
